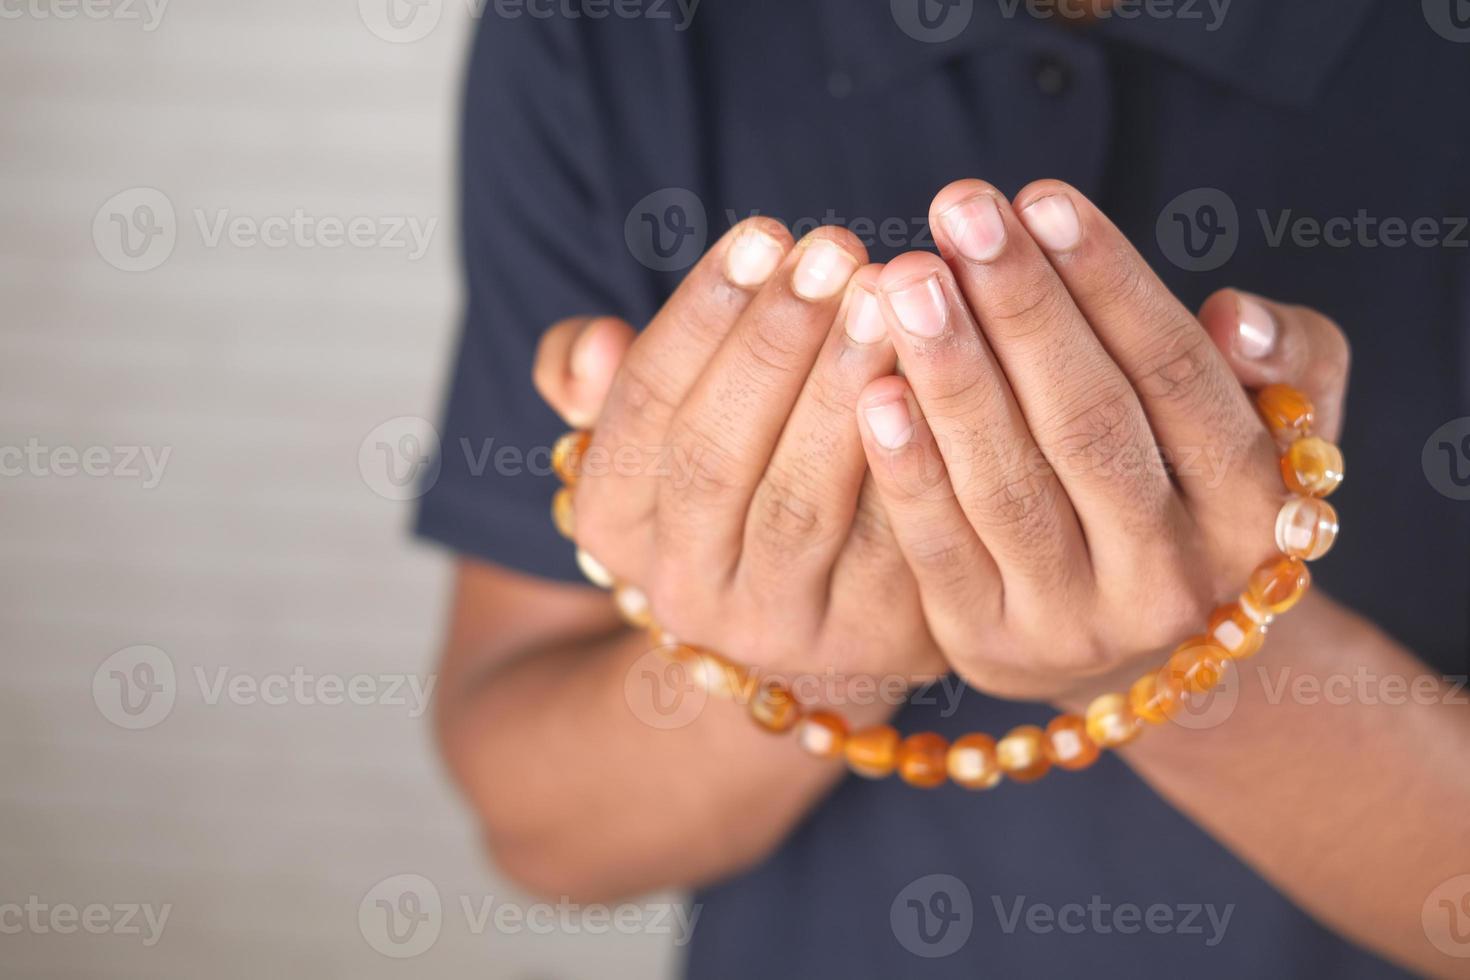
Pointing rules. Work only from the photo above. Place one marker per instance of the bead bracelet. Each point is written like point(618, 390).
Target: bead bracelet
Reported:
point(1306, 528)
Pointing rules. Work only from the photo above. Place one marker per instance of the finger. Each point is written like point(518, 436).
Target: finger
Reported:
point(1081, 410)
point(1004, 484)
point(803, 507)
point(628, 457)
point(575, 364)
point(1195, 407)
point(953, 567)
point(728, 425)
point(1272, 343)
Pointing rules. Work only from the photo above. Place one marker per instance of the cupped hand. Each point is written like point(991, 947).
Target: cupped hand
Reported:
point(1069, 462)
point(726, 475)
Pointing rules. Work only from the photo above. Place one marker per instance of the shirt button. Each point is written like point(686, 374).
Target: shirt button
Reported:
point(839, 85)
point(1052, 75)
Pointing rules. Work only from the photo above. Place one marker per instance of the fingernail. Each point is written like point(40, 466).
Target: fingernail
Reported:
point(890, 423)
point(975, 228)
point(823, 270)
point(1255, 337)
point(1053, 222)
point(864, 319)
point(752, 257)
point(922, 308)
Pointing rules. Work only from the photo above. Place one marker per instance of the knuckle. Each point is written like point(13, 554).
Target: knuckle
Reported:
point(1122, 286)
point(642, 394)
point(785, 517)
point(1181, 370)
point(1034, 302)
point(945, 558)
point(709, 473)
point(768, 353)
point(870, 523)
point(1021, 504)
point(1105, 431)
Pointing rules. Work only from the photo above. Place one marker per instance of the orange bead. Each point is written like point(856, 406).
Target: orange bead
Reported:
point(562, 514)
point(774, 707)
point(921, 760)
point(1254, 610)
point(871, 752)
point(1287, 412)
point(595, 570)
point(1306, 528)
point(1278, 584)
point(972, 762)
point(1067, 744)
point(566, 455)
point(822, 734)
point(1312, 467)
point(1236, 631)
point(1022, 754)
point(1111, 722)
point(1156, 696)
point(1197, 665)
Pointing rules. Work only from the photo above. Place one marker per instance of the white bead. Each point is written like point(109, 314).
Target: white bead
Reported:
point(1306, 528)
point(633, 604)
point(596, 573)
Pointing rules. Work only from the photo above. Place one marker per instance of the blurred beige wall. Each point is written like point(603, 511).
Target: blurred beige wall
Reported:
point(199, 552)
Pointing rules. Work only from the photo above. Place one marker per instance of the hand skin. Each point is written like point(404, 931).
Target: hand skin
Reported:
point(529, 663)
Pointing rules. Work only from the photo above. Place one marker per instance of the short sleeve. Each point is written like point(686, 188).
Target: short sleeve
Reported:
point(541, 240)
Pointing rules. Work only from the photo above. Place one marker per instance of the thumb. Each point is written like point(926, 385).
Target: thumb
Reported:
point(575, 364)
point(1273, 343)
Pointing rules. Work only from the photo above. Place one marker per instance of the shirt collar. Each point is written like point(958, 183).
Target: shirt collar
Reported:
point(1278, 51)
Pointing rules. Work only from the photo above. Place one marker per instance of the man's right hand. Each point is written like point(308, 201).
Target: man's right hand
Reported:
point(726, 477)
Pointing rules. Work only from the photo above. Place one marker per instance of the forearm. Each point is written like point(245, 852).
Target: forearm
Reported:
point(581, 793)
point(1340, 775)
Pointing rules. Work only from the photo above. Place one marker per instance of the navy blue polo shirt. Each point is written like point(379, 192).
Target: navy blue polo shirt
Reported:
point(1316, 151)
